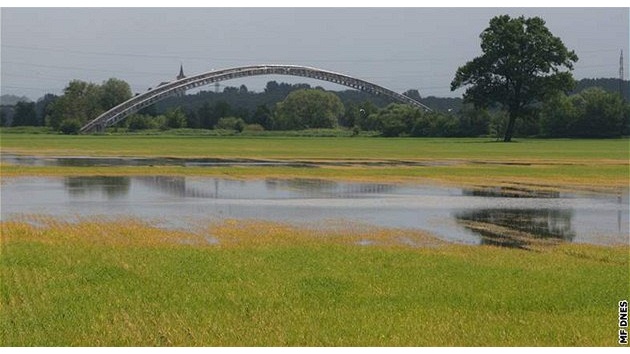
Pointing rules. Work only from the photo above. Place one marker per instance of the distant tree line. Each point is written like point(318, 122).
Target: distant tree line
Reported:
point(80, 102)
point(592, 112)
point(607, 84)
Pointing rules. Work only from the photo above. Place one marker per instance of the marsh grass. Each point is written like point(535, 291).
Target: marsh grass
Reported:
point(251, 283)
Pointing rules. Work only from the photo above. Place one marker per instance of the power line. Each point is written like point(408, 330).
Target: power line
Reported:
point(30, 88)
point(65, 50)
point(224, 59)
point(80, 68)
point(598, 51)
point(38, 77)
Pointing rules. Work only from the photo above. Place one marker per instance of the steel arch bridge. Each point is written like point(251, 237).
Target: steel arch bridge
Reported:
point(161, 92)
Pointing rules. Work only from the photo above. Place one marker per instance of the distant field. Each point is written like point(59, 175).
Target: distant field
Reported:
point(538, 163)
point(317, 148)
point(126, 283)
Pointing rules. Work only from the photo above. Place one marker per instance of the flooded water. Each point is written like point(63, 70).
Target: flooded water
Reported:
point(75, 161)
point(140, 161)
point(489, 216)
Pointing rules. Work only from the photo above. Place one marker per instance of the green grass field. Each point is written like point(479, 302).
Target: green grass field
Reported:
point(129, 284)
point(317, 148)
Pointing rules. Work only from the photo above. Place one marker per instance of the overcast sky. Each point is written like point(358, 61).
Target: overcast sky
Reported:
point(398, 48)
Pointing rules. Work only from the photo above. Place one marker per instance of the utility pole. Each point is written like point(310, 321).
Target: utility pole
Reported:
point(621, 84)
point(621, 93)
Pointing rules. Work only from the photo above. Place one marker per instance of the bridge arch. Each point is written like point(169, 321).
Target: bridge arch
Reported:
point(136, 103)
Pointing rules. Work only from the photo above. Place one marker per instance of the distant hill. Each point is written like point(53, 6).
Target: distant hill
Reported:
point(10, 100)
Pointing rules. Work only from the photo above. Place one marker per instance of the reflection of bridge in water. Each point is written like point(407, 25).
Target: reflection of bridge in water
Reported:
point(182, 187)
point(177, 186)
point(182, 84)
point(111, 186)
point(272, 189)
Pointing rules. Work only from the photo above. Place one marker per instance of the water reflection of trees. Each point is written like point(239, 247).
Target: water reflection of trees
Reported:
point(328, 189)
point(112, 161)
point(176, 186)
point(217, 188)
point(111, 186)
point(519, 227)
point(510, 192)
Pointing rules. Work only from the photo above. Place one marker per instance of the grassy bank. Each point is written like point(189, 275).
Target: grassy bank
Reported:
point(260, 284)
point(301, 148)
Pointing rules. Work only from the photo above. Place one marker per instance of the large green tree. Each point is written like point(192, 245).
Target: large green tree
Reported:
point(43, 107)
point(521, 65)
point(593, 113)
point(82, 101)
point(3, 118)
point(397, 119)
point(263, 116)
point(25, 114)
point(113, 92)
point(309, 108)
point(174, 118)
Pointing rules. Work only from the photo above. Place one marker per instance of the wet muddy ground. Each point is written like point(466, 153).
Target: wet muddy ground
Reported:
point(84, 161)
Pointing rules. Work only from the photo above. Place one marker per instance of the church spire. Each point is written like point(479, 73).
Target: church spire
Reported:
point(181, 72)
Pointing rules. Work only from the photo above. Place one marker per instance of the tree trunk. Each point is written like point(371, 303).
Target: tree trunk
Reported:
point(510, 128)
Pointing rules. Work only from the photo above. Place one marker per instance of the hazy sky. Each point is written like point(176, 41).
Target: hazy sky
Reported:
point(399, 48)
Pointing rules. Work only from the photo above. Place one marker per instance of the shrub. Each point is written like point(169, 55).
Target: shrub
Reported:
point(174, 119)
point(231, 123)
point(254, 128)
point(309, 109)
point(70, 126)
point(142, 122)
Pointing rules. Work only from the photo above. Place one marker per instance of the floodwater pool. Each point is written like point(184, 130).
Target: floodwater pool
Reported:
point(448, 213)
